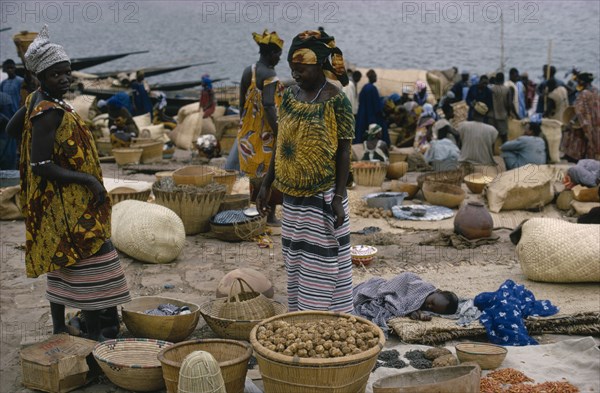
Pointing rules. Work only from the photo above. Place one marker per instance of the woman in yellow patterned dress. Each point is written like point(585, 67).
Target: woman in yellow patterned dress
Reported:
point(67, 212)
point(310, 167)
point(260, 96)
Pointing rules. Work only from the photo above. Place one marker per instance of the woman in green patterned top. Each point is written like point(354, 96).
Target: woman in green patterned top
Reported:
point(310, 167)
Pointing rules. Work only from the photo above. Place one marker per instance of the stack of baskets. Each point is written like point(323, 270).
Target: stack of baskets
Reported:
point(194, 205)
point(369, 173)
point(152, 151)
point(235, 316)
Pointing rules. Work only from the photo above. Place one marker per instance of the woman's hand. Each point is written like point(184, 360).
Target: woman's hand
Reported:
point(98, 190)
point(420, 316)
point(338, 211)
point(262, 200)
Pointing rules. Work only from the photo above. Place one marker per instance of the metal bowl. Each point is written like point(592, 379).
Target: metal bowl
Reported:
point(385, 199)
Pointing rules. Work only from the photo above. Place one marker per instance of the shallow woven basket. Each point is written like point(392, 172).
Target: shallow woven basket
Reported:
point(289, 374)
point(195, 210)
point(247, 304)
point(127, 155)
point(200, 373)
point(196, 175)
point(369, 174)
point(235, 202)
point(450, 177)
point(488, 356)
point(121, 194)
point(230, 328)
point(442, 194)
point(172, 328)
point(152, 151)
point(233, 357)
point(237, 232)
point(476, 182)
point(131, 363)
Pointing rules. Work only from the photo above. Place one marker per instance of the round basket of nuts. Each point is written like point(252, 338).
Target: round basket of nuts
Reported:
point(316, 351)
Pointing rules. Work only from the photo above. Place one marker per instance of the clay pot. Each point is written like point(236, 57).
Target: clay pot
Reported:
point(473, 221)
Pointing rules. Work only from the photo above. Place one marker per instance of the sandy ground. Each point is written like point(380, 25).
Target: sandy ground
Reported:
point(195, 274)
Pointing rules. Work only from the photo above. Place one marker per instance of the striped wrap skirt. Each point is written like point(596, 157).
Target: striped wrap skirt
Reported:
point(93, 283)
point(317, 256)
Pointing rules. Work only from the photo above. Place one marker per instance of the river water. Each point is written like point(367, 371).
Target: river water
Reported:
point(387, 34)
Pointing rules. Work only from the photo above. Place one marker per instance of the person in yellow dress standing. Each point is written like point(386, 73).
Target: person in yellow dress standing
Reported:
point(260, 96)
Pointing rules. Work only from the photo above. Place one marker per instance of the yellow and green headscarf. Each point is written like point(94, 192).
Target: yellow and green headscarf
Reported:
point(267, 38)
point(315, 47)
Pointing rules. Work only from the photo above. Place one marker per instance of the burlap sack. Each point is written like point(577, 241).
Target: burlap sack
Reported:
point(82, 105)
point(553, 250)
point(527, 187)
point(516, 128)
point(187, 131)
point(208, 126)
point(552, 130)
point(142, 121)
point(9, 203)
point(147, 232)
point(187, 110)
point(219, 111)
point(153, 131)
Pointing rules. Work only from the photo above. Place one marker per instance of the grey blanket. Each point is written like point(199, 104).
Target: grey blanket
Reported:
point(379, 300)
point(465, 313)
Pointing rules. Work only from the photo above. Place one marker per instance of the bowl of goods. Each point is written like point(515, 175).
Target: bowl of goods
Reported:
point(385, 199)
point(488, 356)
point(476, 182)
point(362, 254)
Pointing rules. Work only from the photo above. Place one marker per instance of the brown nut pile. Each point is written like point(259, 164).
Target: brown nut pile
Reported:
point(372, 212)
point(318, 339)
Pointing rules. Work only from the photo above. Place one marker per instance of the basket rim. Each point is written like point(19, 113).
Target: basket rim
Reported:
point(224, 341)
point(503, 350)
point(231, 224)
point(297, 361)
point(205, 314)
point(124, 309)
point(167, 344)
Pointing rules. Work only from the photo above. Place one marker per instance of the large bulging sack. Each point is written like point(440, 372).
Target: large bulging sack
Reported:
point(187, 131)
point(527, 187)
point(552, 130)
point(147, 232)
point(553, 250)
point(10, 208)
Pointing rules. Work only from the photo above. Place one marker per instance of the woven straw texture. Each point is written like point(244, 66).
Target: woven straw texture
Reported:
point(230, 328)
point(281, 373)
point(121, 194)
point(200, 373)
point(147, 232)
point(233, 357)
point(369, 174)
point(523, 188)
point(131, 363)
point(151, 151)
point(552, 250)
point(126, 156)
point(172, 328)
point(454, 177)
point(488, 356)
point(247, 304)
point(239, 232)
point(195, 210)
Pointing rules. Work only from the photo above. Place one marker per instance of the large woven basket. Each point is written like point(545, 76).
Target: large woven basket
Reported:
point(347, 374)
point(195, 210)
point(196, 175)
point(247, 304)
point(226, 177)
point(237, 232)
point(172, 328)
point(127, 155)
point(229, 328)
point(131, 363)
point(121, 194)
point(369, 174)
point(233, 357)
point(151, 151)
point(147, 232)
point(200, 373)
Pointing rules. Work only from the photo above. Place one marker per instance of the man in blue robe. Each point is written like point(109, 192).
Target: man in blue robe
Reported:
point(370, 110)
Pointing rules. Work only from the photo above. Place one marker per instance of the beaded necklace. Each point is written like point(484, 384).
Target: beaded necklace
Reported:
point(60, 102)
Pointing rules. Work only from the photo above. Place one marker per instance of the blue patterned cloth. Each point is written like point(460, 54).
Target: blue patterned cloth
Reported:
point(503, 313)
